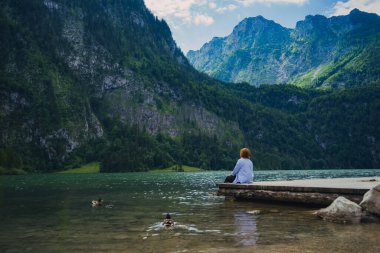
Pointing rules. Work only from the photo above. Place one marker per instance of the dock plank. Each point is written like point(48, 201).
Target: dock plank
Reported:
point(311, 191)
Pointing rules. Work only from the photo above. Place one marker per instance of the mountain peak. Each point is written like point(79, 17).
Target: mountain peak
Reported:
point(255, 24)
point(355, 11)
point(358, 13)
point(313, 20)
point(256, 21)
point(259, 17)
point(262, 51)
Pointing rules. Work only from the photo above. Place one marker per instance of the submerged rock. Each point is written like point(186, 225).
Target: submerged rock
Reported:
point(371, 201)
point(368, 217)
point(341, 210)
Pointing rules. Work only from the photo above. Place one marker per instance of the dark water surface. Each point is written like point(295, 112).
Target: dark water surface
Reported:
point(53, 213)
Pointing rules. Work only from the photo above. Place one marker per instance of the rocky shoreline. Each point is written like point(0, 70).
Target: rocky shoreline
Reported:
point(343, 210)
point(348, 200)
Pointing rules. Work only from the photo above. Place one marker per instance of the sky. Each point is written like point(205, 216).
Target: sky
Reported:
point(195, 22)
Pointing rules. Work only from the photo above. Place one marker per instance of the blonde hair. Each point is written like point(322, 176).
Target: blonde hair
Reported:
point(245, 153)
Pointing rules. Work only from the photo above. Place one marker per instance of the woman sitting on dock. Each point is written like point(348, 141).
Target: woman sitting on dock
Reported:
point(243, 171)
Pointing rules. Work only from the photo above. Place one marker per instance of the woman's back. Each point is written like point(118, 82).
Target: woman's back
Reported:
point(243, 171)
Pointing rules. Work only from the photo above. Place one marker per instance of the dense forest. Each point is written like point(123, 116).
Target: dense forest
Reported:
point(104, 81)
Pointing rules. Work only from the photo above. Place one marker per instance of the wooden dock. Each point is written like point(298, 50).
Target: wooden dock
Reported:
point(313, 191)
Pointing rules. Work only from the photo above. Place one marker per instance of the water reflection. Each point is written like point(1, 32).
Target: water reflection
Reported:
point(246, 228)
point(52, 213)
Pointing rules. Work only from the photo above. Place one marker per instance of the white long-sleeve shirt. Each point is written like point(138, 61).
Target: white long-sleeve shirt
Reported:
point(243, 171)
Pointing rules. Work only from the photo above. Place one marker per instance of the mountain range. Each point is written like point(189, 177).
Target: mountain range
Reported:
point(95, 80)
point(320, 52)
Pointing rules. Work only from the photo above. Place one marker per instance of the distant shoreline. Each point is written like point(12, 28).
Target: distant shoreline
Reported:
point(94, 168)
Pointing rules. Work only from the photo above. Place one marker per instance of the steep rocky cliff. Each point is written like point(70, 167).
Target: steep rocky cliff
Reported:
point(334, 52)
point(66, 66)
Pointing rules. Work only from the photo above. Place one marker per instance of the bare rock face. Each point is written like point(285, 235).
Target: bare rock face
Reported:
point(341, 210)
point(371, 201)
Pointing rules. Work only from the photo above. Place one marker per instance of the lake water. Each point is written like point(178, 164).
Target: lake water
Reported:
point(53, 213)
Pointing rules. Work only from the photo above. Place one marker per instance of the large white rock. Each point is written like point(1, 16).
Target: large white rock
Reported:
point(341, 210)
point(371, 201)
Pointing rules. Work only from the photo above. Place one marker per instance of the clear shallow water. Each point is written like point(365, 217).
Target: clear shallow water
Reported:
point(53, 213)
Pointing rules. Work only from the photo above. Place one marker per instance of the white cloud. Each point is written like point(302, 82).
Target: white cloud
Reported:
point(180, 12)
point(343, 8)
point(201, 19)
point(229, 7)
point(183, 10)
point(212, 5)
point(251, 2)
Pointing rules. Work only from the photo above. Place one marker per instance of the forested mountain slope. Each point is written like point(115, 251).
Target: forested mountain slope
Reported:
point(337, 52)
point(96, 80)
